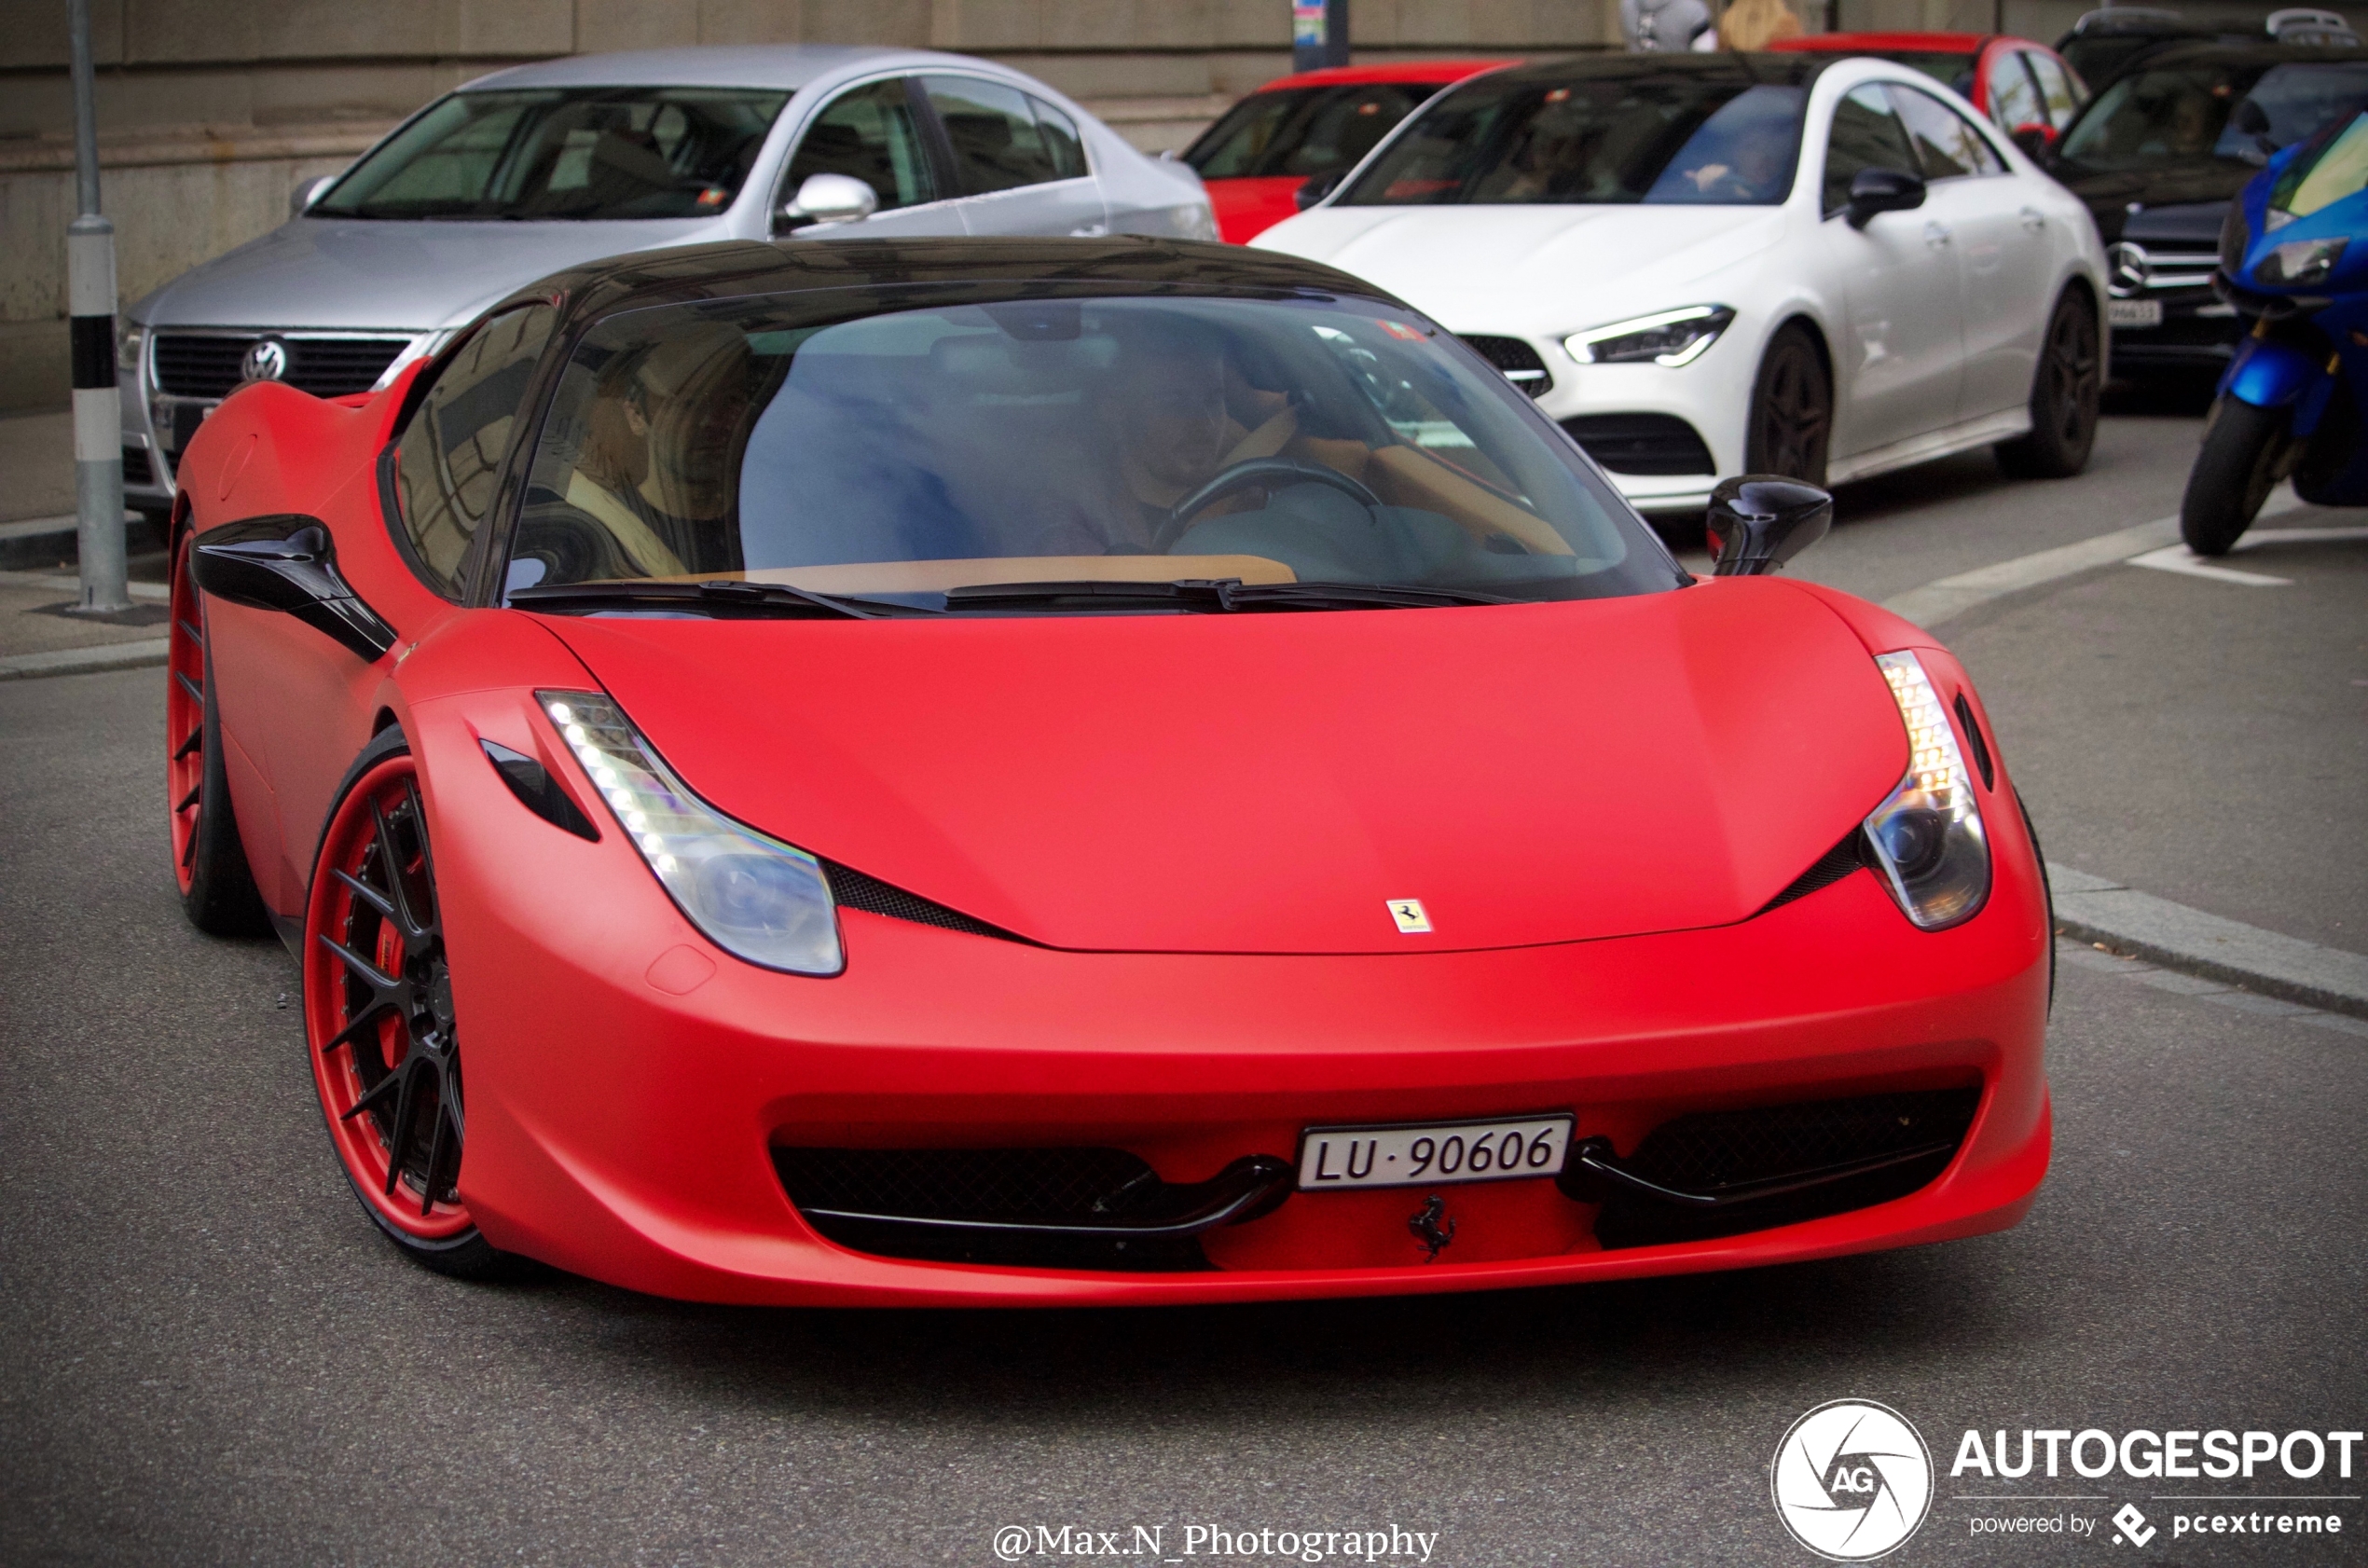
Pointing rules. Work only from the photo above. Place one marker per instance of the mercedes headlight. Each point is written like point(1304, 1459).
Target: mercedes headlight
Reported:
point(1927, 834)
point(2299, 263)
point(1671, 338)
point(752, 896)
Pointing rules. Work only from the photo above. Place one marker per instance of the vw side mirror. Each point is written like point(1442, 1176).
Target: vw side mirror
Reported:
point(830, 199)
point(287, 563)
point(1882, 190)
point(2036, 139)
point(1317, 188)
point(307, 192)
point(1759, 521)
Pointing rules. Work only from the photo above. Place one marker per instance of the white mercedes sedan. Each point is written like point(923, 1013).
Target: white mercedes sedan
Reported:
point(1703, 265)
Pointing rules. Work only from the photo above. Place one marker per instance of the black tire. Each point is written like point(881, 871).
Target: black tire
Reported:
point(2064, 393)
point(2244, 455)
point(1792, 413)
point(216, 885)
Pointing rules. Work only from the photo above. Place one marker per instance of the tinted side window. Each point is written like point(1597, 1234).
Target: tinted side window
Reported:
point(2014, 97)
point(1867, 134)
point(2055, 86)
point(449, 454)
point(870, 134)
point(997, 145)
point(1060, 139)
point(1947, 145)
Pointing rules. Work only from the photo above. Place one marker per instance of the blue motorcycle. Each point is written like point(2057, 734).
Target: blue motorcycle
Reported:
point(2293, 259)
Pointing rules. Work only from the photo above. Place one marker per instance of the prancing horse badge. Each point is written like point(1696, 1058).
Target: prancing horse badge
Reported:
point(1409, 914)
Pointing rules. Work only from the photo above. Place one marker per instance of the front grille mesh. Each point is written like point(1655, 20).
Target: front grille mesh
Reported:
point(206, 364)
point(1642, 444)
point(1516, 360)
point(1712, 1150)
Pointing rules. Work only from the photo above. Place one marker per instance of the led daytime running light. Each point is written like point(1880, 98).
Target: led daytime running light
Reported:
point(1927, 835)
point(754, 897)
point(1668, 338)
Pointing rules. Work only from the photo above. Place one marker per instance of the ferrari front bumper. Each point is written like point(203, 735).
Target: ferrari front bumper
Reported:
point(629, 1087)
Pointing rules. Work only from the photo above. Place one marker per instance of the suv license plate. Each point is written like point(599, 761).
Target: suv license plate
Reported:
point(2133, 312)
point(1433, 1153)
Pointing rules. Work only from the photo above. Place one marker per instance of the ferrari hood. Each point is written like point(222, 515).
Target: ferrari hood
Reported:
point(1271, 783)
point(1542, 270)
point(391, 276)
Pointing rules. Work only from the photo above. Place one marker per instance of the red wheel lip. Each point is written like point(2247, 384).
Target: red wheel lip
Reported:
point(333, 1076)
point(184, 660)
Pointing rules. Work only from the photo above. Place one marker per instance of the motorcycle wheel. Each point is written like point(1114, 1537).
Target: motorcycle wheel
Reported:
point(2243, 459)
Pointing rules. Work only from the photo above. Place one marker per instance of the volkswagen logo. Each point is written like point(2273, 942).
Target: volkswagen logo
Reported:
point(1851, 1480)
point(266, 361)
point(2126, 267)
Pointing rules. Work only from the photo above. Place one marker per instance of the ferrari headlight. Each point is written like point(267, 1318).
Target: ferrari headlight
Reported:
point(2299, 263)
point(1928, 835)
point(1672, 337)
point(752, 896)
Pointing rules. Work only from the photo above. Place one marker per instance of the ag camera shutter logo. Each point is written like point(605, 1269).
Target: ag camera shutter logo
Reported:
point(1851, 1480)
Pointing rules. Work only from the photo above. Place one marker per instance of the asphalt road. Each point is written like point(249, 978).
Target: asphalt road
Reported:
point(206, 1354)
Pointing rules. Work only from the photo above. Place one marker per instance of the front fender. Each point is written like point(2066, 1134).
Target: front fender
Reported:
point(2268, 374)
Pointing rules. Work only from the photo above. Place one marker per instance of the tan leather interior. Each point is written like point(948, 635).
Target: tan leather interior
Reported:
point(1405, 476)
point(646, 549)
point(936, 577)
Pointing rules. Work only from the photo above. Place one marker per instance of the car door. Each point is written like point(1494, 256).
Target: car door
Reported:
point(1999, 238)
point(2058, 89)
point(2015, 99)
point(878, 133)
point(1017, 160)
point(1899, 367)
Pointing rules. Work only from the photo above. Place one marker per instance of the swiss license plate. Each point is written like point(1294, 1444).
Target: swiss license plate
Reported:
point(2133, 312)
point(1433, 1153)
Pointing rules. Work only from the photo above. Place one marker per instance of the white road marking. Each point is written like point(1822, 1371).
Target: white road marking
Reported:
point(2180, 559)
point(2256, 538)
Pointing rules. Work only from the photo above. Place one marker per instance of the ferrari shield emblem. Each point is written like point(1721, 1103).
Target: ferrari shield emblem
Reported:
point(1409, 914)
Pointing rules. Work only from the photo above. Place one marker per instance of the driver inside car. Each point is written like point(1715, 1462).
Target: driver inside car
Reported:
point(661, 459)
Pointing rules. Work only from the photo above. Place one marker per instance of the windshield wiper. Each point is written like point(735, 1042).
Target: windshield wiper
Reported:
point(1205, 594)
point(726, 598)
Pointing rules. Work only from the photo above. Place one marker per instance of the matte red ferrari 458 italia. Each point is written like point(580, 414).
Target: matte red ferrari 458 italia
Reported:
point(1078, 771)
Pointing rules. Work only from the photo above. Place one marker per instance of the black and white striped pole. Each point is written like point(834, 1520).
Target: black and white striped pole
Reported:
point(98, 419)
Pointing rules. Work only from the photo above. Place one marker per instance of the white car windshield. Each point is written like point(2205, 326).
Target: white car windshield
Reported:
point(863, 442)
point(1621, 132)
point(563, 153)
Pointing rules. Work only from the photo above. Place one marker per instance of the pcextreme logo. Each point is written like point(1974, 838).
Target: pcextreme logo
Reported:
point(1851, 1480)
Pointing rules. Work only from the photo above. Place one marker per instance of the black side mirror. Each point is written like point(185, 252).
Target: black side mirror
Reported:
point(1882, 190)
point(1317, 188)
point(2037, 141)
point(1759, 521)
point(287, 563)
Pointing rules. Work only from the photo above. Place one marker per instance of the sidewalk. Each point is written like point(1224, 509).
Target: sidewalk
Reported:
point(36, 640)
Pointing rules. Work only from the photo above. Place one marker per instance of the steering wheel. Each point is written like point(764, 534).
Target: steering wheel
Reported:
point(1272, 473)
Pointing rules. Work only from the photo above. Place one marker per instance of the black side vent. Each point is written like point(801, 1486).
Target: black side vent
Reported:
point(857, 890)
point(1876, 1148)
point(1977, 742)
point(1831, 867)
point(1516, 360)
point(1642, 444)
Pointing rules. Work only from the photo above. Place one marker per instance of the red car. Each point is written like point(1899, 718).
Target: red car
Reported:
point(2021, 86)
point(1296, 129)
point(1078, 771)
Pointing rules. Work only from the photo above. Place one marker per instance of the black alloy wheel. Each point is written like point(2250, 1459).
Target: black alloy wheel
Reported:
point(1792, 412)
point(2064, 395)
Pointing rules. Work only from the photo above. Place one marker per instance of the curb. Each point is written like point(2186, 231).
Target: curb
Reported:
point(2095, 909)
point(86, 661)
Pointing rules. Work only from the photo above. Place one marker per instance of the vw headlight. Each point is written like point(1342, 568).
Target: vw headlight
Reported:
point(752, 896)
point(1672, 337)
point(2299, 263)
point(1928, 835)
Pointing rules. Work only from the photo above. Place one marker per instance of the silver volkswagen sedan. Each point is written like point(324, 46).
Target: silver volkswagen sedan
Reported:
point(529, 171)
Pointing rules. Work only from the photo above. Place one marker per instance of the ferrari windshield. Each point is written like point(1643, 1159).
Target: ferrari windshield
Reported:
point(921, 451)
point(1649, 136)
point(608, 152)
point(2186, 114)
